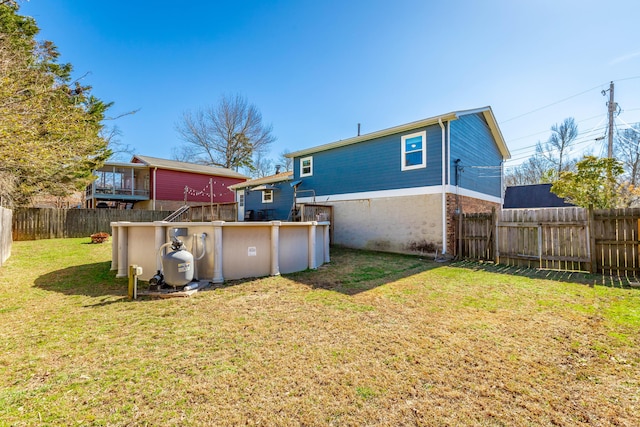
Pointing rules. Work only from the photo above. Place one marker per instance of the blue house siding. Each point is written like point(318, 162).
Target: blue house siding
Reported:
point(372, 166)
point(277, 210)
point(480, 158)
point(377, 205)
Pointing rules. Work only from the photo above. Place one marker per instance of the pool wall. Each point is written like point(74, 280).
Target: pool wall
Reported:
point(234, 250)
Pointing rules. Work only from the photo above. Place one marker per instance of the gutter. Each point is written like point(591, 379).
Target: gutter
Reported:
point(444, 187)
point(366, 137)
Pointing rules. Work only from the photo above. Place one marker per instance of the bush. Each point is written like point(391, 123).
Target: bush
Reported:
point(99, 237)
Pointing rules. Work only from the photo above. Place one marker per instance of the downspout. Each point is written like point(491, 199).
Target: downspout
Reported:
point(155, 170)
point(502, 187)
point(444, 187)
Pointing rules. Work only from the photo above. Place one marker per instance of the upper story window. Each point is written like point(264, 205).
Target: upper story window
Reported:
point(267, 196)
point(306, 166)
point(414, 151)
point(241, 199)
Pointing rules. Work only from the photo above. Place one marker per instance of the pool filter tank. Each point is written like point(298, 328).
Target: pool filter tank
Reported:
point(177, 265)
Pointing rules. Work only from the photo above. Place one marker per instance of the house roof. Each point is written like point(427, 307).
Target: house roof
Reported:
point(532, 196)
point(155, 162)
point(279, 177)
point(487, 112)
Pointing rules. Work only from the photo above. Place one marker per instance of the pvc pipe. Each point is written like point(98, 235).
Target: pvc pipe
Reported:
point(444, 189)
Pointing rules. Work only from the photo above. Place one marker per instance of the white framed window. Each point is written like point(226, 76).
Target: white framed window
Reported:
point(267, 196)
point(306, 166)
point(241, 200)
point(414, 150)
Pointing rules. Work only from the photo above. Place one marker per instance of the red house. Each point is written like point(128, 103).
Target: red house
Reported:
point(159, 184)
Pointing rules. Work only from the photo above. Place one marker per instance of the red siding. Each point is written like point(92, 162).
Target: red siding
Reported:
point(171, 185)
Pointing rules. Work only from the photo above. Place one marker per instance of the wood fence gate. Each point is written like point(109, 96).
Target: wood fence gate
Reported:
point(566, 239)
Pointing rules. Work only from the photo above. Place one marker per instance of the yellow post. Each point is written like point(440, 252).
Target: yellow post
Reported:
point(134, 272)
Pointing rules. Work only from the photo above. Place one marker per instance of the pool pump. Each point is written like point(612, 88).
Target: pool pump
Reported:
point(177, 267)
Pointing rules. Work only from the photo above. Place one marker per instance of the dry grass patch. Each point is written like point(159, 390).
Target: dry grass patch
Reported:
point(370, 339)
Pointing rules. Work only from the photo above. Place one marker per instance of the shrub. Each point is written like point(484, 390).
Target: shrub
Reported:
point(99, 237)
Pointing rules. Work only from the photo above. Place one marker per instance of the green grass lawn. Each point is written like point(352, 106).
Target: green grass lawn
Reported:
point(369, 339)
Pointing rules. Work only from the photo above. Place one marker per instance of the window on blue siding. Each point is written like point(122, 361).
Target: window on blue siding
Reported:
point(414, 151)
point(306, 166)
point(267, 196)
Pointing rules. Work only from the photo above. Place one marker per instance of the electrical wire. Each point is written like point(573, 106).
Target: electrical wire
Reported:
point(552, 104)
point(548, 130)
point(566, 99)
point(581, 139)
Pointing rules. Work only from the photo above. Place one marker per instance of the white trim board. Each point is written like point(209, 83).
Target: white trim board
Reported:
point(401, 192)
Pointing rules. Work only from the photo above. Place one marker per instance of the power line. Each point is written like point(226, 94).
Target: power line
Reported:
point(566, 99)
point(549, 151)
point(583, 138)
point(580, 139)
point(549, 130)
point(552, 104)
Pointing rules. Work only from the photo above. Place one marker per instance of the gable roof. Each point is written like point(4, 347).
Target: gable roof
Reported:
point(279, 177)
point(532, 196)
point(487, 112)
point(175, 165)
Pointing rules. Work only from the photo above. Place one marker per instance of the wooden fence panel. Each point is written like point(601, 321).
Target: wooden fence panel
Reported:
point(615, 232)
point(476, 237)
point(568, 239)
point(37, 224)
point(216, 212)
point(312, 212)
point(552, 238)
point(309, 212)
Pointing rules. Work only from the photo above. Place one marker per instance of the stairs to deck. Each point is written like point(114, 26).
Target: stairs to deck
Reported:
point(177, 214)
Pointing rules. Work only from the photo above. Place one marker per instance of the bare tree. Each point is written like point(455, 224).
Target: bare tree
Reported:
point(560, 140)
point(286, 163)
point(627, 150)
point(227, 134)
point(262, 166)
point(533, 171)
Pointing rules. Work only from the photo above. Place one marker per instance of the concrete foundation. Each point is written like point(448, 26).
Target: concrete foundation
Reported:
point(411, 224)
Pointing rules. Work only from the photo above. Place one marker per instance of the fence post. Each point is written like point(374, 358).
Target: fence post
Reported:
point(591, 239)
point(460, 236)
point(496, 247)
point(494, 219)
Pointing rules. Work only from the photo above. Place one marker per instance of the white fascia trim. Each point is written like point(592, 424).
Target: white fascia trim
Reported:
point(401, 192)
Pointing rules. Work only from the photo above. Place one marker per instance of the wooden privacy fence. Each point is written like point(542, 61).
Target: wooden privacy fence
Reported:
point(37, 224)
point(313, 212)
point(566, 239)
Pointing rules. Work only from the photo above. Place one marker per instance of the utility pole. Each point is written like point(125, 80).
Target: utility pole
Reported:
point(612, 108)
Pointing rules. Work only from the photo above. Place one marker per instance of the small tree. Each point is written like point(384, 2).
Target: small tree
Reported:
point(594, 183)
point(227, 134)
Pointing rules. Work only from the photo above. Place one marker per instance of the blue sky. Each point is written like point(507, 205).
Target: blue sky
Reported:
point(316, 69)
